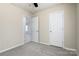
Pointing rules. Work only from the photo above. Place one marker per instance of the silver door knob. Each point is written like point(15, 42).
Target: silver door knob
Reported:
point(50, 31)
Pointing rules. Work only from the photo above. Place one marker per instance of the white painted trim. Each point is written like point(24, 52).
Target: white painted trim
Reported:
point(11, 47)
point(43, 43)
point(69, 49)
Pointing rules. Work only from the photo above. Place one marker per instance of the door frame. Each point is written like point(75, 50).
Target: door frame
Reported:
point(49, 30)
point(23, 27)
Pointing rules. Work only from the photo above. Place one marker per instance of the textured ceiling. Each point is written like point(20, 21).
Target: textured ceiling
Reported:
point(30, 7)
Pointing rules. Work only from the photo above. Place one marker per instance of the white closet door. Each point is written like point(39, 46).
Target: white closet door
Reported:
point(35, 29)
point(56, 28)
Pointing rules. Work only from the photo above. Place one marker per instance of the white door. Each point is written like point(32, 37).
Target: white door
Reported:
point(35, 29)
point(27, 28)
point(56, 28)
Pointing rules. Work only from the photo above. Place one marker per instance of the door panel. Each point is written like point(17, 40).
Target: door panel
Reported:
point(56, 28)
point(27, 28)
point(35, 29)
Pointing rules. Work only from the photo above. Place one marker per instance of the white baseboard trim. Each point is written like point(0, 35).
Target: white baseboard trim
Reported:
point(69, 49)
point(43, 43)
point(11, 47)
point(62, 47)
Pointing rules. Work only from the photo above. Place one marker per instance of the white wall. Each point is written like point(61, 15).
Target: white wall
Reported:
point(11, 28)
point(69, 24)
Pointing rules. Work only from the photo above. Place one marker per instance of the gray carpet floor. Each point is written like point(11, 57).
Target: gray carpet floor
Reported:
point(37, 49)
